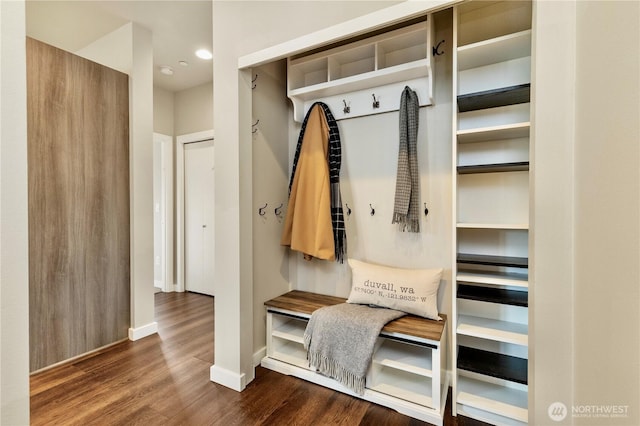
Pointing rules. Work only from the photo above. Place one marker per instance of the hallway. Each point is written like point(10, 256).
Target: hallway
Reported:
point(164, 380)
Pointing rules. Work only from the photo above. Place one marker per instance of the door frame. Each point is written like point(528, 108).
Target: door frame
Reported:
point(181, 141)
point(166, 210)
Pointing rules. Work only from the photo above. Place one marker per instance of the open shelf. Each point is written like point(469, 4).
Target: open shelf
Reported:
point(507, 279)
point(502, 96)
point(485, 20)
point(494, 133)
point(290, 352)
point(292, 330)
point(514, 226)
point(481, 259)
point(492, 398)
point(490, 329)
point(494, 168)
point(366, 80)
point(493, 295)
point(493, 364)
point(400, 356)
point(498, 49)
point(401, 384)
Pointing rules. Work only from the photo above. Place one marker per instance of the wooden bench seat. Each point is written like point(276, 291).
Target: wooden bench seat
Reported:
point(304, 302)
point(407, 372)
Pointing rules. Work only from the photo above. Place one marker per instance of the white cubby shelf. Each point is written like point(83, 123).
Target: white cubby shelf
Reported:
point(493, 133)
point(491, 329)
point(354, 75)
point(492, 398)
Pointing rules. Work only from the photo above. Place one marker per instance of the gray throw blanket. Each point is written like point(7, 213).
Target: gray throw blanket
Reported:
point(340, 339)
point(406, 209)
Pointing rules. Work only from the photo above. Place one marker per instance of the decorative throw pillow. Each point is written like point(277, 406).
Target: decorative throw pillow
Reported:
point(414, 291)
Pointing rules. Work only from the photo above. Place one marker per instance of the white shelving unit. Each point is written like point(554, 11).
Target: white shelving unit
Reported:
point(350, 77)
point(407, 371)
point(492, 63)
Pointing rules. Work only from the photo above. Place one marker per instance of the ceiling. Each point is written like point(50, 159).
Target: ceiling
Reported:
point(179, 28)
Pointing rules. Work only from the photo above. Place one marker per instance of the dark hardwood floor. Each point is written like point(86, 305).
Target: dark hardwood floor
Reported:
point(164, 380)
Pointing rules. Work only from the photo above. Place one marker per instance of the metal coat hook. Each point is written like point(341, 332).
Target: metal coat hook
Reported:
point(426, 210)
point(376, 102)
point(261, 210)
point(435, 50)
point(255, 129)
point(348, 209)
point(278, 210)
point(253, 82)
point(347, 108)
point(373, 211)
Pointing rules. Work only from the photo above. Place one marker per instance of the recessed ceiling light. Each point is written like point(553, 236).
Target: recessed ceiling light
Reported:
point(166, 70)
point(203, 54)
point(184, 63)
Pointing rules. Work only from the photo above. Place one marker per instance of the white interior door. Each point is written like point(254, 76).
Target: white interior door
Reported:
point(199, 217)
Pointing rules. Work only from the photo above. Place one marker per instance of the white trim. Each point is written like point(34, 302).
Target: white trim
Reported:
point(360, 25)
point(257, 356)
point(428, 414)
point(227, 378)
point(166, 203)
point(144, 331)
point(180, 143)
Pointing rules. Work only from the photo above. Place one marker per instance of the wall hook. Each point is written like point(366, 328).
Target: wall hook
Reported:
point(254, 125)
point(435, 50)
point(348, 209)
point(347, 108)
point(376, 102)
point(261, 210)
point(426, 210)
point(253, 82)
point(278, 210)
point(373, 211)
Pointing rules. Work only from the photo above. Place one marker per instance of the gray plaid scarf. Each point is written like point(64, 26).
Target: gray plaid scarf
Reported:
point(406, 210)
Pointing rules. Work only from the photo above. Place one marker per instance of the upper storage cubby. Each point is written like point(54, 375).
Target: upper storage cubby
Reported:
point(485, 20)
point(493, 54)
point(364, 75)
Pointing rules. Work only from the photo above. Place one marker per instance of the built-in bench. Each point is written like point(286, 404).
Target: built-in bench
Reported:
point(407, 372)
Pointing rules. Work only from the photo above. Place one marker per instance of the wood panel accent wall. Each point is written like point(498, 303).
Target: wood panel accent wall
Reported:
point(78, 158)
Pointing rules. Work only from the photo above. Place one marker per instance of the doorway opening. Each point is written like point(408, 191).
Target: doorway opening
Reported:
point(195, 246)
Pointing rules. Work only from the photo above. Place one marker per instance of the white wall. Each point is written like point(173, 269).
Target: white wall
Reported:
point(270, 183)
point(193, 109)
point(584, 325)
point(240, 28)
point(607, 206)
point(551, 270)
point(113, 50)
point(14, 253)
point(163, 104)
point(141, 183)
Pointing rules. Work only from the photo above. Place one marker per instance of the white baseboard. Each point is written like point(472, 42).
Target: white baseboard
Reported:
point(227, 378)
point(171, 289)
point(257, 357)
point(144, 331)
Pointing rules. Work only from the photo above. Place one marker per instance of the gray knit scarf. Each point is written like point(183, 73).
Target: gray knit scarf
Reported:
point(406, 209)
